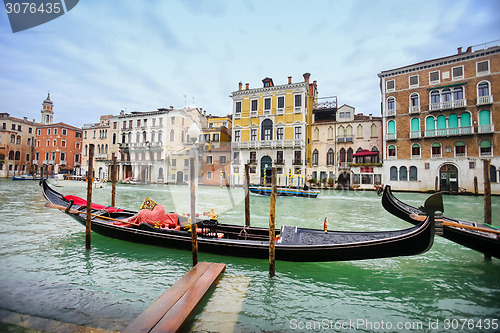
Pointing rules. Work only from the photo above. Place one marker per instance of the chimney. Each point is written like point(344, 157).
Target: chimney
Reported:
point(239, 85)
point(289, 80)
point(469, 49)
point(459, 49)
point(370, 115)
point(25, 119)
point(306, 77)
point(122, 112)
point(246, 85)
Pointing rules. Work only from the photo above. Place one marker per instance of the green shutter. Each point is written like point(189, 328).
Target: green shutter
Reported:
point(415, 125)
point(429, 123)
point(436, 144)
point(453, 121)
point(391, 127)
point(460, 144)
point(485, 144)
point(484, 117)
point(465, 119)
point(441, 122)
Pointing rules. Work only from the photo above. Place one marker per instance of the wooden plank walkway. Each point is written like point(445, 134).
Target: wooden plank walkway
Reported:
point(169, 312)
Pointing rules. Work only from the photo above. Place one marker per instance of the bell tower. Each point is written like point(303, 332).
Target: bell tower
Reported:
point(47, 111)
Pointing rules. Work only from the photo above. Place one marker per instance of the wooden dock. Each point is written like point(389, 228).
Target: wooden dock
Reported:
point(169, 312)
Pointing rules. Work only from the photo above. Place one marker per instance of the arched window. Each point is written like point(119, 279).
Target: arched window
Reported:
point(415, 150)
point(316, 134)
point(315, 156)
point(18, 140)
point(375, 158)
point(453, 121)
point(485, 148)
point(153, 136)
point(493, 174)
point(484, 121)
point(413, 174)
point(182, 136)
point(342, 155)
point(329, 157)
point(441, 125)
point(349, 155)
point(415, 128)
point(391, 126)
point(267, 130)
point(11, 155)
point(341, 131)
point(403, 173)
point(435, 97)
point(436, 150)
point(85, 150)
point(12, 138)
point(172, 135)
point(144, 136)
point(483, 89)
point(391, 103)
point(360, 131)
point(160, 135)
point(114, 138)
point(394, 173)
point(348, 131)
point(460, 149)
point(458, 94)
point(414, 100)
point(330, 133)
point(446, 95)
point(391, 151)
point(374, 131)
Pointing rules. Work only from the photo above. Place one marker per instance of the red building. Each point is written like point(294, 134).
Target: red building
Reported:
point(216, 166)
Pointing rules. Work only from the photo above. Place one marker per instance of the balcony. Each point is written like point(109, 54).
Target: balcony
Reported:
point(253, 114)
point(62, 163)
point(482, 100)
point(414, 109)
point(390, 136)
point(77, 164)
point(297, 162)
point(345, 138)
point(101, 156)
point(280, 111)
point(390, 113)
point(449, 131)
point(297, 109)
point(415, 135)
point(279, 161)
point(485, 128)
point(446, 105)
point(252, 161)
point(299, 143)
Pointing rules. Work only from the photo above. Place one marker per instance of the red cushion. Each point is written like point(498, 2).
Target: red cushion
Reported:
point(82, 202)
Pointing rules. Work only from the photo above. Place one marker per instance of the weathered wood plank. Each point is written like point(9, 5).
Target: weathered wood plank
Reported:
point(170, 311)
point(183, 308)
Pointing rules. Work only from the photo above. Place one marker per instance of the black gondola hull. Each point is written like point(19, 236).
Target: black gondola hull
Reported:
point(295, 244)
point(488, 244)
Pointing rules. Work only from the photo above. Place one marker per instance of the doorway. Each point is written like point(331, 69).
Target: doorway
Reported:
point(448, 175)
point(266, 165)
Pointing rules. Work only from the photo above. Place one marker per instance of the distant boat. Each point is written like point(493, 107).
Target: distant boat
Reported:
point(131, 181)
point(65, 180)
point(283, 191)
point(23, 177)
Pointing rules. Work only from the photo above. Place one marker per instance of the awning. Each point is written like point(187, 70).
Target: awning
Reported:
point(448, 86)
point(365, 152)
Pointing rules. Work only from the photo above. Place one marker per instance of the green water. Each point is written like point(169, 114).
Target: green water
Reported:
point(45, 270)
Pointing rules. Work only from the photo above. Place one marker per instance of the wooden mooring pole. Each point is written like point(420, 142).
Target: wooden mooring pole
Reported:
point(194, 236)
point(113, 180)
point(487, 192)
point(247, 195)
point(272, 233)
point(90, 182)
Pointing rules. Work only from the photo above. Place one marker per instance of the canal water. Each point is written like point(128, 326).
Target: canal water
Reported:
point(45, 270)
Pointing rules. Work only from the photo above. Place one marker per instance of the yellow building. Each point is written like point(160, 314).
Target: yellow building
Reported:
point(217, 132)
point(271, 128)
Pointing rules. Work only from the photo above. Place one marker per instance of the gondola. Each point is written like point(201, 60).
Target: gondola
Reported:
point(293, 244)
point(283, 191)
point(478, 238)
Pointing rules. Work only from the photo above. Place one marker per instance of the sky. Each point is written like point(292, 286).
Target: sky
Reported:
point(105, 56)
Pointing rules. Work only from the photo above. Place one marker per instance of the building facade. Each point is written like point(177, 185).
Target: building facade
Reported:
point(217, 133)
point(441, 119)
point(98, 134)
point(216, 166)
point(345, 147)
point(17, 145)
point(271, 128)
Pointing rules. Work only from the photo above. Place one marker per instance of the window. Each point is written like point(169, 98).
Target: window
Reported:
point(434, 77)
point(298, 133)
point(206, 137)
point(391, 103)
point(316, 134)
point(413, 174)
point(253, 135)
point(373, 131)
point(172, 135)
point(446, 95)
point(360, 131)
point(280, 133)
point(457, 73)
point(436, 150)
point(483, 89)
point(330, 133)
point(483, 67)
point(435, 97)
point(390, 85)
point(281, 102)
point(267, 104)
point(329, 157)
point(485, 121)
point(279, 157)
point(267, 130)
point(392, 151)
point(54, 143)
point(209, 175)
point(48, 130)
point(485, 148)
point(223, 159)
point(458, 94)
point(460, 149)
point(63, 143)
point(298, 101)
point(297, 157)
point(174, 162)
point(415, 150)
point(413, 81)
point(216, 137)
point(237, 135)
point(209, 159)
point(315, 156)
point(394, 173)
point(254, 106)
point(414, 101)
point(253, 156)
point(238, 107)
point(403, 173)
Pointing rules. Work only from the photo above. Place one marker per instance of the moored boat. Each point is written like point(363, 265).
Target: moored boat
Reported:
point(23, 177)
point(293, 243)
point(477, 236)
point(67, 180)
point(284, 191)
